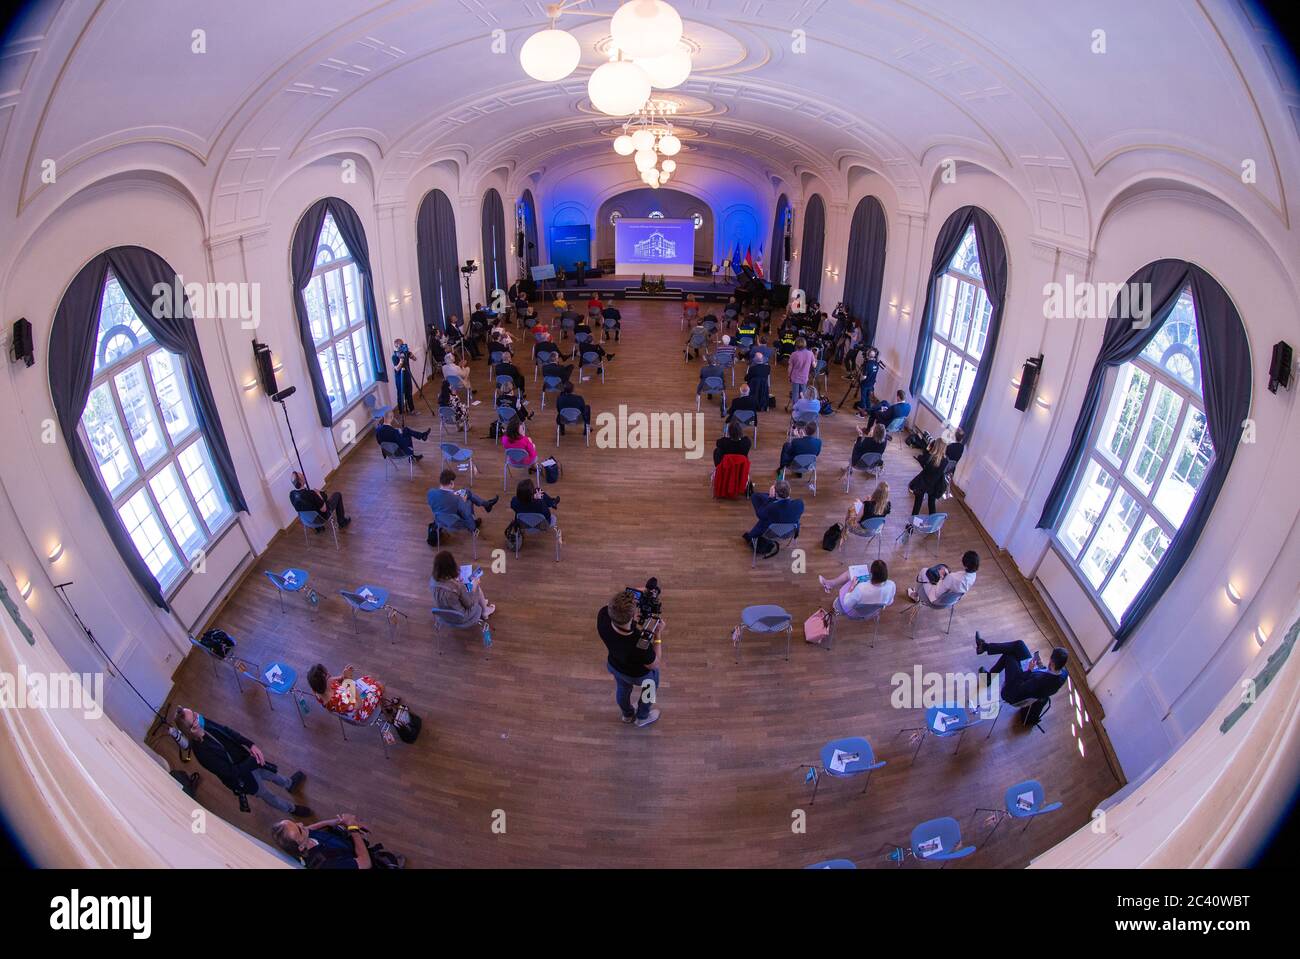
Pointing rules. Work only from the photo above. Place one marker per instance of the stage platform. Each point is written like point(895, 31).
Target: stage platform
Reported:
point(627, 286)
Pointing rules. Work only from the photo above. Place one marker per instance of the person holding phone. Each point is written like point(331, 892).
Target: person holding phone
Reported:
point(1018, 682)
point(237, 762)
point(633, 659)
point(403, 383)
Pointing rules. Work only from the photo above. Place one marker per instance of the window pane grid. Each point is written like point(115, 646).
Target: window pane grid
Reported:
point(958, 333)
point(337, 320)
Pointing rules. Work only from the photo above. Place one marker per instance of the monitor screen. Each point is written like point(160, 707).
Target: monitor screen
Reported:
point(654, 246)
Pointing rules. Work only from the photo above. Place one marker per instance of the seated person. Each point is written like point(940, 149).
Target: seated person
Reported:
point(458, 502)
point(808, 402)
point(451, 592)
point(529, 499)
point(1019, 683)
point(899, 409)
point(507, 368)
point(956, 448)
point(515, 438)
point(508, 397)
point(307, 500)
point(337, 843)
point(594, 305)
point(871, 439)
point(387, 432)
point(706, 371)
point(724, 354)
point(774, 506)
point(539, 327)
point(758, 376)
point(875, 506)
point(698, 335)
point(690, 309)
point(733, 441)
point(939, 581)
point(438, 349)
point(745, 401)
point(548, 345)
point(591, 346)
point(611, 315)
point(582, 329)
point(450, 369)
point(355, 698)
point(560, 303)
point(861, 587)
point(805, 442)
point(568, 399)
point(449, 398)
point(561, 371)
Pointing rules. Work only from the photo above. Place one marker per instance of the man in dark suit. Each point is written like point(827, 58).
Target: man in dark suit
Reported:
point(759, 375)
point(774, 506)
point(1019, 683)
point(459, 502)
point(507, 368)
point(570, 400)
point(610, 314)
point(745, 401)
point(403, 383)
point(386, 432)
point(806, 442)
point(899, 409)
point(307, 500)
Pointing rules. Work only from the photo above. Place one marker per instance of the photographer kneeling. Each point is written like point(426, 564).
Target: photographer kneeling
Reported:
point(633, 656)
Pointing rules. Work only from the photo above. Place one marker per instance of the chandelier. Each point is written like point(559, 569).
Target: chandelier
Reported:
point(646, 54)
point(649, 136)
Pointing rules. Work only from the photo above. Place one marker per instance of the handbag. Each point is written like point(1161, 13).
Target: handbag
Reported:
point(817, 627)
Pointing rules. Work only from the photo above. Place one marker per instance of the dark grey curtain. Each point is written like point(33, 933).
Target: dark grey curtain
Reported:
point(864, 266)
point(812, 248)
point(776, 250)
point(1225, 385)
point(530, 230)
point(494, 244)
point(439, 261)
point(302, 260)
point(993, 266)
point(72, 368)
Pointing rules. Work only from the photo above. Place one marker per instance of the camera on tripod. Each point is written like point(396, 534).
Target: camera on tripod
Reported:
point(649, 610)
point(469, 268)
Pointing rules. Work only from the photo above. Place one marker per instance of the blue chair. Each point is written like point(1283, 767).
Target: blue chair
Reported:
point(947, 832)
point(456, 619)
point(727, 362)
point(871, 529)
point(541, 359)
point(609, 326)
point(862, 614)
point(582, 339)
point(284, 685)
point(589, 361)
point(505, 414)
point(806, 463)
point(931, 525)
point(870, 465)
point(461, 456)
point(496, 356)
point(550, 384)
point(447, 423)
point(310, 519)
point(710, 325)
point(227, 659)
point(567, 322)
point(457, 384)
point(1025, 800)
point(833, 864)
point(822, 371)
point(858, 757)
point(372, 599)
point(292, 581)
point(535, 523)
point(711, 384)
point(377, 412)
point(505, 382)
point(896, 425)
point(452, 522)
point(393, 453)
point(780, 533)
point(942, 722)
point(764, 620)
point(747, 419)
point(802, 418)
point(946, 601)
point(694, 345)
point(572, 416)
point(516, 459)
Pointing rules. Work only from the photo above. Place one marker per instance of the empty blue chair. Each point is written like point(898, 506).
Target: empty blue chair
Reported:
point(310, 519)
point(806, 463)
point(855, 756)
point(370, 599)
point(572, 416)
point(462, 458)
point(931, 525)
point(291, 581)
point(377, 412)
point(778, 533)
point(278, 679)
point(535, 523)
point(869, 465)
point(939, 840)
point(393, 454)
point(1025, 800)
point(447, 423)
point(833, 864)
point(764, 620)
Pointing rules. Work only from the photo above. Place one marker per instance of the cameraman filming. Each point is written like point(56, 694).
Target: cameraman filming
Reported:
point(633, 640)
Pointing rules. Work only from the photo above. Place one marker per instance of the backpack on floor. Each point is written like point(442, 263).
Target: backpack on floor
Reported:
point(831, 538)
point(514, 536)
point(407, 724)
point(550, 470)
point(432, 537)
point(827, 408)
point(767, 548)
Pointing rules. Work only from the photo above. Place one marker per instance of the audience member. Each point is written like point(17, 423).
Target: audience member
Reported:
point(932, 482)
point(871, 439)
point(236, 761)
point(450, 399)
point(774, 506)
point(745, 401)
point(758, 376)
point(1018, 682)
point(633, 658)
point(459, 502)
point(939, 581)
point(354, 698)
point(801, 365)
point(734, 441)
point(307, 500)
point(452, 592)
point(515, 438)
point(387, 432)
point(805, 442)
point(337, 843)
point(889, 413)
point(568, 399)
point(862, 586)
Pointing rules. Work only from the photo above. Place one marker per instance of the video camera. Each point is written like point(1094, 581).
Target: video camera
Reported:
point(649, 610)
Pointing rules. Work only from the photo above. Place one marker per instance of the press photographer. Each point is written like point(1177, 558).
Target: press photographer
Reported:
point(632, 628)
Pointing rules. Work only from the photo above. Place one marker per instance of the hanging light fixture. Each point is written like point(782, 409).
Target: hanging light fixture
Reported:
point(645, 159)
point(643, 139)
point(618, 88)
point(669, 145)
point(663, 176)
point(624, 146)
point(668, 166)
point(550, 55)
point(644, 29)
point(667, 71)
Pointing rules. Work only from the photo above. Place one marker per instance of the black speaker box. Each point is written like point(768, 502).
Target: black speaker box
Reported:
point(1028, 382)
point(23, 346)
point(1279, 368)
point(780, 294)
point(265, 368)
point(785, 248)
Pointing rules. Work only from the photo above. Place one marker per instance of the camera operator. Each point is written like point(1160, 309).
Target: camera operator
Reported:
point(633, 634)
point(404, 387)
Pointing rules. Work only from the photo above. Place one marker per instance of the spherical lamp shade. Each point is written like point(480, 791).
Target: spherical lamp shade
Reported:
point(670, 145)
point(669, 165)
point(550, 55)
point(645, 159)
point(624, 146)
point(649, 176)
point(646, 28)
point(618, 88)
point(663, 176)
point(668, 71)
point(643, 140)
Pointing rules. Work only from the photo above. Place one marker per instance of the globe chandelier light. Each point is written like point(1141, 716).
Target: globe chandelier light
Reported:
point(648, 137)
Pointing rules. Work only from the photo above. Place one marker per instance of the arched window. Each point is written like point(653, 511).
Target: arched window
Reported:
point(811, 248)
point(435, 236)
point(338, 320)
point(958, 333)
point(1149, 455)
point(494, 244)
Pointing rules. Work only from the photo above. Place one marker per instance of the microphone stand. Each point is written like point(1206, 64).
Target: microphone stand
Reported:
point(294, 441)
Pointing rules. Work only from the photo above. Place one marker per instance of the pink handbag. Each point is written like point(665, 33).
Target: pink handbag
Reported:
point(817, 627)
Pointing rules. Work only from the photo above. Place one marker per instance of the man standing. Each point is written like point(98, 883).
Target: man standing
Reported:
point(801, 365)
point(402, 377)
point(633, 659)
point(237, 762)
point(868, 373)
point(307, 500)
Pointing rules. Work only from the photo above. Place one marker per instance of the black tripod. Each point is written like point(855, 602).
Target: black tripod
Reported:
point(429, 334)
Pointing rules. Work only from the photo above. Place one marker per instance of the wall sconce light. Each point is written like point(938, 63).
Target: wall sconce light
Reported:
point(1261, 637)
point(278, 365)
point(250, 385)
point(1044, 403)
point(1234, 594)
point(1015, 383)
point(25, 590)
point(56, 552)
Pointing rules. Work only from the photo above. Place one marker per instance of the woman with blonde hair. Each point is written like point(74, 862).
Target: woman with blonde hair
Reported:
point(875, 506)
point(932, 482)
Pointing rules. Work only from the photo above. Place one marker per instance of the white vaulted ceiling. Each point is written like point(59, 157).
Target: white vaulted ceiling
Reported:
point(1186, 87)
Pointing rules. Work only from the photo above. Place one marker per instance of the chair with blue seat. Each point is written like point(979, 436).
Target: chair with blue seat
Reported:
point(869, 465)
point(453, 523)
point(938, 840)
point(725, 363)
point(1025, 800)
point(1024, 704)
point(279, 679)
point(572, 416)
point(859, 614)
point(873, 528)
point(458, 385)
point(516, 460)
point(710, 325)
point(711, 385)
point(608, 326)
point(567, 323)
point(226, 660)
point(541, 358)
point(394, 454)
point(313, 520)
point(293, 581)
point(806, 463)
point(447, 423)
point(747, 419)
point(505, 383)
point(376, 411)
point(833, 864)
point(373, 599)
point(778, 533)
point(694, 345)
point(550, 384)
point(591, 361)
point(822, 371)
point(896, 425)
point(946, 601)
point(581, 339)
point(802, 418)
point(495, 357)
point(931, 525)
point(765, 621)
point(942, 722)
point(855, 757)
point(461, 458)
point(457, 619)
point(535, 523)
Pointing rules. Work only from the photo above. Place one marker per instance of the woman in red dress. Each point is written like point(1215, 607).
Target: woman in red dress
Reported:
point(355, 698)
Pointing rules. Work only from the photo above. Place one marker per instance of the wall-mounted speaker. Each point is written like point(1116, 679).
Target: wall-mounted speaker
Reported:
point(1029, 382)
point(23, 348)
point(265, 368)
point(785, 248)
point(1279, 368)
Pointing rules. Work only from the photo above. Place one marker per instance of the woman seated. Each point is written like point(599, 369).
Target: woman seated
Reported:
point(810, 402)
point(451, 591)
point(871, 439)
point(337, 843)
point(860, 587)
point(514, 438)
point(690, 309)
point(447, 397)
point(733, 441)
point(508, 396)
point(875, 506)
point(450, 369)
point(594, 305)
point(355, 698)
point(529, 499)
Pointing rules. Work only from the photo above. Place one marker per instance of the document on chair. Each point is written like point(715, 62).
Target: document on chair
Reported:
point(1025, 801)
point(840, 760)
point(366, 594)
point(943, 720)
point(290, 578)
point(274, 674)
point(930, 847)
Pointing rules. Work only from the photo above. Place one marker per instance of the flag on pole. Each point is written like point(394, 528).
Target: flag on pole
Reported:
point(749, 256)
point(758, 264)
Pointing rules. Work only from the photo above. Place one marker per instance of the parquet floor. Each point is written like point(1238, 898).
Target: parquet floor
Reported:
point(523, 760)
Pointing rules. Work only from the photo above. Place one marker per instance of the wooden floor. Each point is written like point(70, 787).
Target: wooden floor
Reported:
point(532, 735)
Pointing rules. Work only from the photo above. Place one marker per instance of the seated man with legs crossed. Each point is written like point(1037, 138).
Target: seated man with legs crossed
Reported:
point(1019, 683)
point(458, 502)
point(386, 432)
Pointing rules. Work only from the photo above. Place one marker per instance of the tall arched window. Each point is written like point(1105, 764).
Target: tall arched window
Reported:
point(1148, 457)
point(812, 248)
point(776, 252)
point(439, 263)
point(338, 320)
point(962, 313)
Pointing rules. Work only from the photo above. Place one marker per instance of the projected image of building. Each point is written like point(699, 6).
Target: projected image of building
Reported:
point(656, 247)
